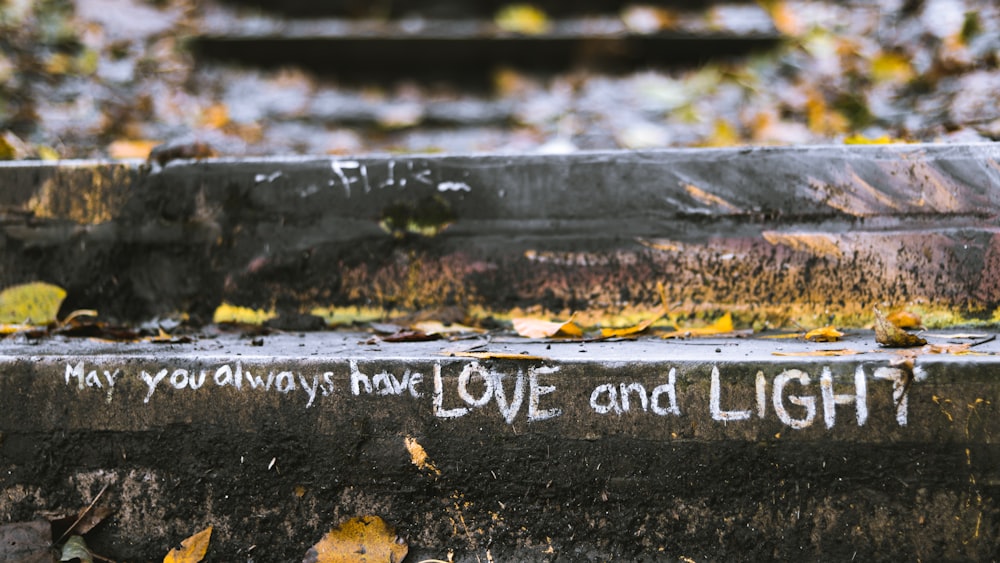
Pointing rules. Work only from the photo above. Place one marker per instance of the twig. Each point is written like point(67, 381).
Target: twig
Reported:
point(84, 513)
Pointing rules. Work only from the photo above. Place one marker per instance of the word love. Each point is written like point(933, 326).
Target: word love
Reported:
point(474, 388)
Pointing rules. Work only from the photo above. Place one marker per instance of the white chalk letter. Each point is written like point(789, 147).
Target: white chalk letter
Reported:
point(439, 411)
point(899, 380)
point(831, 400)
point(670, 388)
point(536, 392)
point(715, 399)
point(808, 402)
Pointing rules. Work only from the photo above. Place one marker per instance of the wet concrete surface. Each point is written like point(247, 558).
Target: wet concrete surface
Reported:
point(639, 450)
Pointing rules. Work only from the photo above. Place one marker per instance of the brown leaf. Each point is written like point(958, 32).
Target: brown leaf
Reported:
point(79, 522)
point(366, 539)
point(891, 336)
point(497, 356)
point(192, 549)
point(26, 542)
point(410, 336)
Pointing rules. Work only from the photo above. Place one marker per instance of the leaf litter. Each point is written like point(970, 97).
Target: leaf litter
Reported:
point(364, 539)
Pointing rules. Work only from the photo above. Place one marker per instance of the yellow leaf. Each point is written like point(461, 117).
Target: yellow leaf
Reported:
point(722, 326)
point(891, 67)
point(891, 336)
point(215, 116)
point(131, 149)
point(787, 335)
point(497, 356)
point(840, 352)
point(227, 313)
point(905, 319)
point(419, 457)
point(192, 549)
point(31, 303)
point(827, 333)
point(537, 328)
point(366, 539)
point(522, 18)
point(783, 17)
point(630, 330)
point(859, 139)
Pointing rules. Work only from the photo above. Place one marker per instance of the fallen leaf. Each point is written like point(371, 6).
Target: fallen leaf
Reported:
point(419, 457)
point(905, 319)
point(126, 149)
point(723, 325)
point(192, 549)
point(891, 67)
point(365, 539)
point(76, 548)
point(827, 333)
point(497, 356)
point(162, 154)
point(956, 349)
point(537, 328)
point(214, 117)
point(838, 352)
point(80, 522)
point(891, 336)
point(635, 329)
point(26, 542)
point(437, 327)
point(783, 336)
point(410, 336)
point(859, 139)
point(522, 18)
point(34, 303)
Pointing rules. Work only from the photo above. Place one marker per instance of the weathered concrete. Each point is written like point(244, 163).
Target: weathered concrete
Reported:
point(768, 233)
point(653, 450)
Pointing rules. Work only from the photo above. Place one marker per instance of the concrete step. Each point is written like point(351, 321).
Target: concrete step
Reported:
point(465, 46)
point(706, 449)
point(769, 234)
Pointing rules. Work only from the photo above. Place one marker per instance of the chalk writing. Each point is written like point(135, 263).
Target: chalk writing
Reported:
point(347, 173)
point(493, 389)
point(794, 397)
point(609, 398)
point(829, 399)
